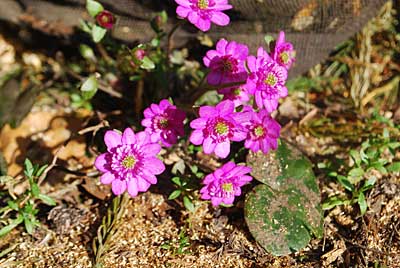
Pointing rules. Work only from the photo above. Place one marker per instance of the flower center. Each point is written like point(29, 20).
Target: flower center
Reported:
point(259, 131)
point(221, 128)
point(202, 4)
point(163, 123)
point(227, 187)
point(105, 19)
point(284, 57)
point(129, 162)
point(271, 80)
point(227, 65)
point(237, 92)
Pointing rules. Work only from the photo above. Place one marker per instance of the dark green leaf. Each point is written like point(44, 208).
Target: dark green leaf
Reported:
point(177, 181)
point(362, 203)
point(345, 183)
point(174, 194)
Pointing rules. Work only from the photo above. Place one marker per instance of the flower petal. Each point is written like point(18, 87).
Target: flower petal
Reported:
point(225, 107)
point(154, 165)
point(198, 123)
point(221, 45)
point(132, 187)
point(197, 137)
point(118, 186)
point(207, 111)
point(107, 178)
point(184, 3)
point(112, 139)
point(203, 24)
point(143, 185)
point(220, 18)
point(214, 78)
point(128, 137)
point(101, 163)
point(193, 17)
point(208, 145)
point(151, 149)
point(182, 11)
point(222, 149)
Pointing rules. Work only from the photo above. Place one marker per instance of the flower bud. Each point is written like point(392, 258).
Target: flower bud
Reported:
point(105, 19)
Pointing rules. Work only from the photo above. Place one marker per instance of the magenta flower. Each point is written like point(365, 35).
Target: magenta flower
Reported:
point(283, 52)
point(226, 63)
point(130, 162)
point(238, 95)
point(202, 12)
point(224, 184)
point(105, 19)
point(263, 131)
point(164, 122)
point(266, 80)
point(217, 126)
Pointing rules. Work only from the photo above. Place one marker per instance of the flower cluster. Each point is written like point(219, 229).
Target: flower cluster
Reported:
point(131, 162)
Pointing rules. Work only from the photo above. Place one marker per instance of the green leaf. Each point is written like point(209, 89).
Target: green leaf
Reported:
point(174, 194)
point(12, 205)
point(393, 167)
point(355, 175)
point(345, 183)
point(28, 168)
point(85, 26)
point(333, 202)
point(87, 52)
point(93, 7)
point(268, 39)
point(356, 157)
point(29, 225)
point(47, 200)
point(177, 181)
point(89, 87)
point(98, 33)
point(362, 203)
point(147, 63)
point(188, 204)
point(283, 212)
point(35, 190)
point(14, 223)
point(40, 171)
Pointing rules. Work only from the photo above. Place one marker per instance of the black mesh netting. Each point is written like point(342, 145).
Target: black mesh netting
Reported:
point(314, 26)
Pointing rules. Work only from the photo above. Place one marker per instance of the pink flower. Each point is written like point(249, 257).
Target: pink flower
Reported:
point(283, 52)
point(263, 131)
point(164, 122)
point(226, 63)
point(130, 162)
point(105, 19)
point(238, 95)
point(202, 12)
point(217, 126)
point(224, 184)
point(266, 80)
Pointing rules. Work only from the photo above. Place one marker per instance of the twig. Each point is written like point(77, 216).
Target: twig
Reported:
point(380, 90)
point(52, 165)
point(94, 129)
